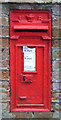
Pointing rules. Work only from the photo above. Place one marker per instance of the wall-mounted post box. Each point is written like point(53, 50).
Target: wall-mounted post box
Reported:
point(30, 60)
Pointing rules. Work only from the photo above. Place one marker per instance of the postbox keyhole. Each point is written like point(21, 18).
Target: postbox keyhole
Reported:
point(24, 78)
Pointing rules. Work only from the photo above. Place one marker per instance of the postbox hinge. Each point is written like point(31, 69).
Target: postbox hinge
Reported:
point(46, 37)
point(14, 37)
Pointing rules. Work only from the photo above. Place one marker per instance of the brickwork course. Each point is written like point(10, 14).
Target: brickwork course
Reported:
point(31, 1)
point(5, 57)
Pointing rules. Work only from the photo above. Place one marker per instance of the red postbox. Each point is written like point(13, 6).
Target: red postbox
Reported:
point(30, 60)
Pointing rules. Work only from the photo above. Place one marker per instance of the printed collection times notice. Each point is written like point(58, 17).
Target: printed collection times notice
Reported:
point(29, 58)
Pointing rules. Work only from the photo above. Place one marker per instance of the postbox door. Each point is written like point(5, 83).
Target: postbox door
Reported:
point(30, 81)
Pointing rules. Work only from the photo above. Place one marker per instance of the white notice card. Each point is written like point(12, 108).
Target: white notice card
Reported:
point(29, 58)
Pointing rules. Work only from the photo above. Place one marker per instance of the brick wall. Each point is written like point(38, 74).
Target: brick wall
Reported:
point(32, 1)
point(56, 60)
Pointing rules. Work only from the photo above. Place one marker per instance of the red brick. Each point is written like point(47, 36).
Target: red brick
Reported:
point(5, 53)
point(5, 95)
point(57, 22)
point(56, 32)
point(5, 106)
point(5, 63)
point(56, 64)
point(53, 97)
point(56, 53)
point(57, 43)
point(5, 84)
point(5, 42)
point(43, 115)
point(4, 21)
point(56, 75)
point(56, 96)
point(56, 86)
point(4, 74)
point(56, 106)
point(23, 115)
point(5, 31)
point(0, 41)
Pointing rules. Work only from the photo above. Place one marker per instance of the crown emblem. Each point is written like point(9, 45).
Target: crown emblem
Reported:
point(29, 17)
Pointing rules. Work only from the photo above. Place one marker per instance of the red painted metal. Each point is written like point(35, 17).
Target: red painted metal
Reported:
point(29, 27)
point(30, 90)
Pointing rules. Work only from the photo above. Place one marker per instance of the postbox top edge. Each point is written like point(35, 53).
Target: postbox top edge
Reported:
point(30, 11)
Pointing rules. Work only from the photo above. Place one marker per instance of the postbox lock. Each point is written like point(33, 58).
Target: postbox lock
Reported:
point(26, 79)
